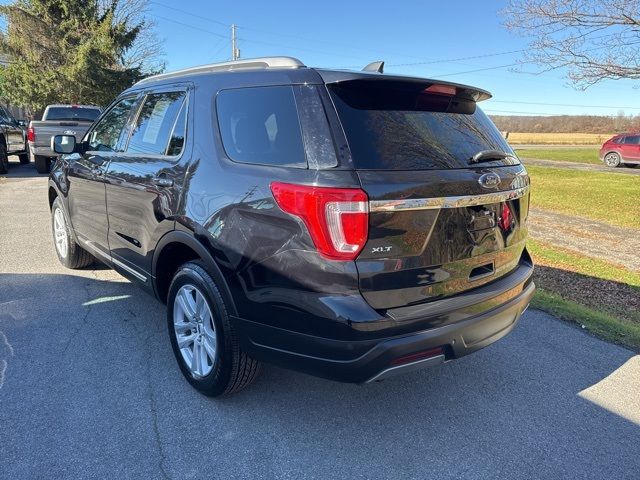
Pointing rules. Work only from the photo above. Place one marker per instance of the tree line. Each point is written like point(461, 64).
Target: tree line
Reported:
point(567, 123)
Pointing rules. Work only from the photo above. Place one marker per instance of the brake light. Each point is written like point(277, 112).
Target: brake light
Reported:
point(31, 134)
point(337, 218)
point(441, 89)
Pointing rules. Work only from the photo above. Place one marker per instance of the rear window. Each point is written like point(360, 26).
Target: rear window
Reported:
point(398, 127)
point(260, 125)
point(73, 113)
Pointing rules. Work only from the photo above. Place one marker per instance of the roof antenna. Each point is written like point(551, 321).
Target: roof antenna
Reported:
point(377, 67)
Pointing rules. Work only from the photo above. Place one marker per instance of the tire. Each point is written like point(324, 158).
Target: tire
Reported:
point(42, 164)
point(223, 369)
point(70, 254)
point(612, 159)
point(4, 158)
point(24, 158)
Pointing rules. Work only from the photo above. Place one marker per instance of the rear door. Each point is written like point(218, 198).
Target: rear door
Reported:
point(85, 175)
point(143, 183)
point(630, 148)
point(444, 217)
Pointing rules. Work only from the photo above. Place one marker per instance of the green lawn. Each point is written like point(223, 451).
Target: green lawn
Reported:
point(598, 295)
point(593, 267)
point(606, 197)
point(602, 324)
point(578, 155)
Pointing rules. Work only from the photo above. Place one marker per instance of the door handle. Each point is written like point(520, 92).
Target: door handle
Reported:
point(162, 181)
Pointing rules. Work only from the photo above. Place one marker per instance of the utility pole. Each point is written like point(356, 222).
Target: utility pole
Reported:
point(235, 51)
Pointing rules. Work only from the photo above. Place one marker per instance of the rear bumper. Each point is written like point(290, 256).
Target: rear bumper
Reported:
point(44, 151)
point(496, 310)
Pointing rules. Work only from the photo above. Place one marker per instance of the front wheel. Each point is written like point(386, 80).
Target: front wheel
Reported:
point(203, 340)
point(612, 160)
point(70, 254)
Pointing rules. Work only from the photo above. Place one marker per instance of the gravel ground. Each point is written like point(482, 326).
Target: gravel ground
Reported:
point(581, 166)
point(89, 388)
point(588, 237)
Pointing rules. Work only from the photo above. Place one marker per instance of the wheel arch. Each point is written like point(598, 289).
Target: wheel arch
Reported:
point(174, 249)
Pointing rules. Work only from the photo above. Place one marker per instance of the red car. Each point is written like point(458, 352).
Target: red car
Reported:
point(621, 149)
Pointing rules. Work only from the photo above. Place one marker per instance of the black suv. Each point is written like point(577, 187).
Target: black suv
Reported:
point(350, 225)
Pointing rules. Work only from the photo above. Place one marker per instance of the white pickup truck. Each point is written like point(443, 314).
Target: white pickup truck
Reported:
point(57, 120)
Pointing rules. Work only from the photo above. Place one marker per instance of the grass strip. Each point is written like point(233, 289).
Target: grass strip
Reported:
point(602, 324)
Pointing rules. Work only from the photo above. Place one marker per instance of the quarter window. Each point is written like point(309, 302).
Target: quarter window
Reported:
point(155, 124)
point(260, 125)
point(110, 133)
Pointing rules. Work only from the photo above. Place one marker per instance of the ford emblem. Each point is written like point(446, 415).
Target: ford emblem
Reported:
point(489, 180)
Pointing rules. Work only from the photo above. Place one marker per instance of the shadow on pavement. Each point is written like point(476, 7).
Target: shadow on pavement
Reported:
point(92, 387)
point(16, 170)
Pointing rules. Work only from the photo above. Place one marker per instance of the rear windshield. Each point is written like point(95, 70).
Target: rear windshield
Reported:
point(72, 113)
point(404, 128)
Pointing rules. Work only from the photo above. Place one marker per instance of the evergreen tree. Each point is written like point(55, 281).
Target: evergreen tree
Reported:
point(73, 51)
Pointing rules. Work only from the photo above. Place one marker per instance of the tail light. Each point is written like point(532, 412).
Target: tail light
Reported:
point(337, 218)
point(31, 134)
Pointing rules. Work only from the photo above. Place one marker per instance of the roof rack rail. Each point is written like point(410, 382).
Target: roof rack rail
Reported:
point(249, 63)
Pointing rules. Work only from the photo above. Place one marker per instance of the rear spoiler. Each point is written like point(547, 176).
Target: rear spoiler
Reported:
point(461, 91)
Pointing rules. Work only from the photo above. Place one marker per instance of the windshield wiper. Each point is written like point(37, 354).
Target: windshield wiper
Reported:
point(488, 155)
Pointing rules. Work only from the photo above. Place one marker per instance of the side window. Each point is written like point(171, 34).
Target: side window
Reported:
point(632, 139)
point(155, 124)
point(176, 142)
point(260, 125)
point(109, 133)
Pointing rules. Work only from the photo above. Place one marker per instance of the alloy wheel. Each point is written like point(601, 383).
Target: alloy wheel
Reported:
point(195, 330)
point(60, 233)
point(611, 160)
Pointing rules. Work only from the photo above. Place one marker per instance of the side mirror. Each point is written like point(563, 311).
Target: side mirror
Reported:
point(63, 143)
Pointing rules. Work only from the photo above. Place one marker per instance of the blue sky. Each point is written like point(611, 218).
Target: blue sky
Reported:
point(407, 35)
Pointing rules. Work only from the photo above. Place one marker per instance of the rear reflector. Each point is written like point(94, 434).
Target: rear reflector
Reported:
point(415, 357)
point(337, 218)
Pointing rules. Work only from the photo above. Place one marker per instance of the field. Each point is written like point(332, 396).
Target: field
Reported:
point(519, 138)
point(577, 155)
point(598, 294)
point(599, 196)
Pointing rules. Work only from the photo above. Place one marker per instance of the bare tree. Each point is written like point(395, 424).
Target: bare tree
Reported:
point(594, 39)
point(147, 53)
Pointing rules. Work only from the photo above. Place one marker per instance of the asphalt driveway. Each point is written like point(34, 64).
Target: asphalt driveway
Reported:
point(89, 388)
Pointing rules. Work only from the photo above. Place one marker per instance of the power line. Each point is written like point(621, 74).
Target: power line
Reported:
point(479, 69)
point(191, 14)
point(279, 34)
point(191, 26)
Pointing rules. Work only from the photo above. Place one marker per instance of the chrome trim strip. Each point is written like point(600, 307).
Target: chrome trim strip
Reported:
point(110, 258)
point(437, 203)
point(408, 367)
point(139, 276)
